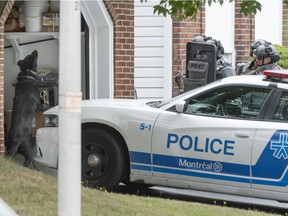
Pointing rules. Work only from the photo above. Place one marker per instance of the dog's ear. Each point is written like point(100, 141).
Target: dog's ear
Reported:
point(35, 54)
point(29, 62)
point(33, 60)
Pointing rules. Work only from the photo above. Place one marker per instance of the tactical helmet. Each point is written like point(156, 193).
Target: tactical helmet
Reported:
point(201, 39)
point(266, 50)
point(220, 49)
point(256, 44)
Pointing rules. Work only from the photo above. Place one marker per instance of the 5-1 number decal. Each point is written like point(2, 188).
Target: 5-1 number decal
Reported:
point(144, 126)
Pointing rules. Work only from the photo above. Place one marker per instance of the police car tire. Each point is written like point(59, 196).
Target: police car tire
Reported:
point(103, 160)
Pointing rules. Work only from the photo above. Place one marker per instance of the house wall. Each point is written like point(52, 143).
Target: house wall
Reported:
point(183, 32)
point(122, 14)
point(2, 23)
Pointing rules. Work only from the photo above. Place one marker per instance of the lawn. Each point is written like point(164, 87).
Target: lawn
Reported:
point(33, 193)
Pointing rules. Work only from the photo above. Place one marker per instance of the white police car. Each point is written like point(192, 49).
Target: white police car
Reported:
point(230, 136)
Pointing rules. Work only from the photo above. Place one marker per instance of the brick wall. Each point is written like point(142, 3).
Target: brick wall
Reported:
point(244, 34)
point(2, 132)
point(285, 26)
point(183, 32)
point(2, 22)
point(122, 14)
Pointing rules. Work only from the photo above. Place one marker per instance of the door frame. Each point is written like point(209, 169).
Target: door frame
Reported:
point(100, 25)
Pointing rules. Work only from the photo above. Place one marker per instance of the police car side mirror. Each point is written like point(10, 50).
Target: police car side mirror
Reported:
point(180, 106)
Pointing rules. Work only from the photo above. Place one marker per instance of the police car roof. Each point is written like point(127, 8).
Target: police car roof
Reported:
point(256, 80)
point(246, 79)
point(262, 80)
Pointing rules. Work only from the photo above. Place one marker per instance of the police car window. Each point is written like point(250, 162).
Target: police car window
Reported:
point(281, 111)
point(229, 102)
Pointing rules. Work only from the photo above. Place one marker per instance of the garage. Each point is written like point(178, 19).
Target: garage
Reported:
point(18, 43)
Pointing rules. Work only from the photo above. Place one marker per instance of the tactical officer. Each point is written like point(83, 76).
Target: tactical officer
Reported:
point(244, 68)
point(265, 57)
point(223, 69)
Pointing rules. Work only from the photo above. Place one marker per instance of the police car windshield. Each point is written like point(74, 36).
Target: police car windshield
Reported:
point(163, 103)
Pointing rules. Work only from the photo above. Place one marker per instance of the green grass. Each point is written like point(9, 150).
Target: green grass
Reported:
point(34, 193)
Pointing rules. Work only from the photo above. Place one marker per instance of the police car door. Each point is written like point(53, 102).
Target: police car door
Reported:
point(270, 149)
point(211, 141)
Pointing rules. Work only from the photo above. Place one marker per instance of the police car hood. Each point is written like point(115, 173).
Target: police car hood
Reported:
point(128, 104)
point(120, 103)
point(123, 115)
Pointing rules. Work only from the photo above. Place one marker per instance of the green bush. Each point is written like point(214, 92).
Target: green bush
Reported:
point(283, 53)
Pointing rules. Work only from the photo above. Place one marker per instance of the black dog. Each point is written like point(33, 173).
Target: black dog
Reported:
point(24, 107)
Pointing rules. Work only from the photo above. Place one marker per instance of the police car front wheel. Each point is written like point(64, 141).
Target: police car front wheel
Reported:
point(103, 161)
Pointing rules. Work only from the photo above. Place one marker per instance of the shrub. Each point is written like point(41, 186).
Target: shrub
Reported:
point(283, 53)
